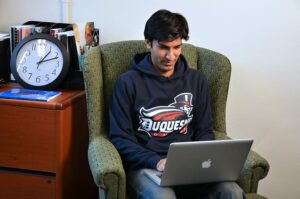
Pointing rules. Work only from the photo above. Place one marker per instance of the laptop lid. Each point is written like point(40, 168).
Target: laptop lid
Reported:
point(205, 161)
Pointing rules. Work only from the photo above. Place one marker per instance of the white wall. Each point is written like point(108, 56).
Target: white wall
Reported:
point(262, 40)
point(19, 11)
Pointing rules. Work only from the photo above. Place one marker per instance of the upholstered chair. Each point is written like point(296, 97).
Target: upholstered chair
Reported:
point(102, 66)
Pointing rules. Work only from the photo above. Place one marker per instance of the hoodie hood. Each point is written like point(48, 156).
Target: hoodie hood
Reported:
point(142, 63)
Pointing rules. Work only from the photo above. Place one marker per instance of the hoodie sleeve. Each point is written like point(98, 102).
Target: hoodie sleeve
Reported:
point(202, 121)
point(122, 133)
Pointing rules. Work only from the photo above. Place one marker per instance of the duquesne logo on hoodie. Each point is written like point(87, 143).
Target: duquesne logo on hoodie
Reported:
point(160, 121)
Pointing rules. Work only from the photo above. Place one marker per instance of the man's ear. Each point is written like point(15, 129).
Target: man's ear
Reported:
point(148, 43)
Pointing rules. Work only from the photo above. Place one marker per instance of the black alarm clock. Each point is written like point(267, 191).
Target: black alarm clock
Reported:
point(40, 62)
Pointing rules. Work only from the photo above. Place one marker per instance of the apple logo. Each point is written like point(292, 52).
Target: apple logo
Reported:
point(206, 164)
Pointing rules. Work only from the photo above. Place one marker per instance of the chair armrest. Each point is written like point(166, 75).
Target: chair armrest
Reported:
point(106, 166)
point(255, 168)
point(104, 160)
point(221, 135)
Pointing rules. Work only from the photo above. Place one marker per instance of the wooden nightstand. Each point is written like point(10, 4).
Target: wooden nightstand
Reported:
point(43, 148)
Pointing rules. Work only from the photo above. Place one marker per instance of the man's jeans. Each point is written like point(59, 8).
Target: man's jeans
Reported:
point(140, 186)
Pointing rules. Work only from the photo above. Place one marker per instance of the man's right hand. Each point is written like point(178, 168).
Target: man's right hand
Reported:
point(160, 166)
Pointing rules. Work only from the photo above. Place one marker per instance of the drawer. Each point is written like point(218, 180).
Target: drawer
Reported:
point(26, 186)
point(28, 138)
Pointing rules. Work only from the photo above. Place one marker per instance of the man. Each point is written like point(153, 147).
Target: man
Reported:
point(160, 101)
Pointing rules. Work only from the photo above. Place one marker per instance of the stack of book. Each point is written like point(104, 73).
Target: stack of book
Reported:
point(78, 38)
point(18, 33)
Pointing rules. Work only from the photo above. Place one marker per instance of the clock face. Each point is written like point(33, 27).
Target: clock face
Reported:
point(40, 62)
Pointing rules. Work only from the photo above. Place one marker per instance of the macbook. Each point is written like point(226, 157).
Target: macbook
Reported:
point(202, 162)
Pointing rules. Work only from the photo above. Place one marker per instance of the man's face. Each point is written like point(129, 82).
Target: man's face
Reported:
point(164, 55)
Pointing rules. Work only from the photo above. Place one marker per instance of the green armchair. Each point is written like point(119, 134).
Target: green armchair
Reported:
point(101, 68)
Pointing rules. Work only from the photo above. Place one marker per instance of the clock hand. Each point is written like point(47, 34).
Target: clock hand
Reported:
point(39, 62)
point(46, 60)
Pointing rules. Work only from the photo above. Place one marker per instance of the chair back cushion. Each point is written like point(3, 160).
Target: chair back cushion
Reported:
point(116, 59)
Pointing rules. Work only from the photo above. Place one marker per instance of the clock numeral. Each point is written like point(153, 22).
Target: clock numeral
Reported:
point(47, 77)
point(54, 72)
point(30, 74)
point(27, 53)
point(38, 79)
point(24, 69)
point(33, 47)
point(57, 64)
point(43, 45)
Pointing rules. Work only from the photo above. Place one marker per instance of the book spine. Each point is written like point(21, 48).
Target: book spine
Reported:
point(12, 41)
point(18, 33)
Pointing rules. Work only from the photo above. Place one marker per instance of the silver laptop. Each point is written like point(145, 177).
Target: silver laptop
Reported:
point(202, 162)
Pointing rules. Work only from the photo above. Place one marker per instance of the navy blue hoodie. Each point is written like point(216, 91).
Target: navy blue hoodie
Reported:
point(149, 111)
